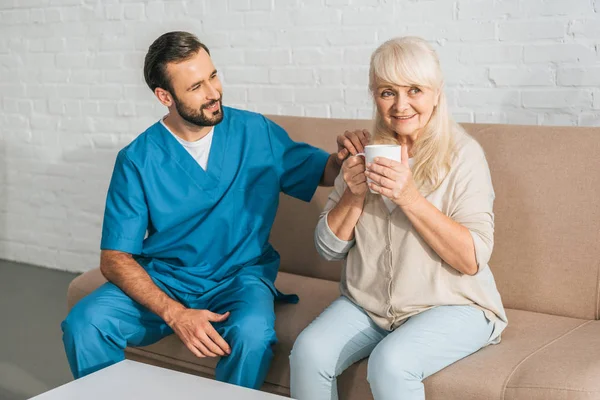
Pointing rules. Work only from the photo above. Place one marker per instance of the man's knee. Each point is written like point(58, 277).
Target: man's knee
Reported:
point(77, 319)
point(253, 333)
point(85, 318)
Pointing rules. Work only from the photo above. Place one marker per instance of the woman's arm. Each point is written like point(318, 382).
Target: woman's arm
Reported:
point(343, 217)
point(328, 245)
point(334, 235)
point(449, 239)
point(452, 240)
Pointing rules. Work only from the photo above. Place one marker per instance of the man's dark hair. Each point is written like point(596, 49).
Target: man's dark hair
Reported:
point(169, 47)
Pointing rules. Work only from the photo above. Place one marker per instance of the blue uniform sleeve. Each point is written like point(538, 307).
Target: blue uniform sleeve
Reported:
point(126, 213)
point(299, 165)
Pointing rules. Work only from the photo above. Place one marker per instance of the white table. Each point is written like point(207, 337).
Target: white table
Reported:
point(133, 380)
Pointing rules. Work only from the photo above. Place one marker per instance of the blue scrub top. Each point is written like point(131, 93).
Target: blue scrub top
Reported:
point(205, 227)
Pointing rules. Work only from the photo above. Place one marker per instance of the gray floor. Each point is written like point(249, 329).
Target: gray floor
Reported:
point(32, 305)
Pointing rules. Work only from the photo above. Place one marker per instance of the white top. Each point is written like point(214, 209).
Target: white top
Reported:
point(199, 150)
point(133, 380)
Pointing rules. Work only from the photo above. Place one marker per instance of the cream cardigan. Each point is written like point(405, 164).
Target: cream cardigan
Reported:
point(393, 274)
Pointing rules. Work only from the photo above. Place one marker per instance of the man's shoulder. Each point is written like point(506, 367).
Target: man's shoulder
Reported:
point(244, 116)
point(138, 148)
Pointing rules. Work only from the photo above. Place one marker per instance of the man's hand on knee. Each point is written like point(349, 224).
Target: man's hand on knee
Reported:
point(195, 330)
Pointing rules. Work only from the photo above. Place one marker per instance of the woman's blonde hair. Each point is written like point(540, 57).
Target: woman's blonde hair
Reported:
point(411, 61)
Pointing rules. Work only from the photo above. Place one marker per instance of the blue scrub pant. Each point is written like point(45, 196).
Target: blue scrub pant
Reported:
point(102, 324)
point(399, 360)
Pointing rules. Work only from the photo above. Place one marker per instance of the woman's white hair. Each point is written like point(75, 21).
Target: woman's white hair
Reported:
point(411, 61)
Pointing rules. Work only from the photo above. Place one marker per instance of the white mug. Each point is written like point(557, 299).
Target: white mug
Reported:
point(372, 151)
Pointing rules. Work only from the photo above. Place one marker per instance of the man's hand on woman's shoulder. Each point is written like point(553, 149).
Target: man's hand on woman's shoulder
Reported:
point(350, 143)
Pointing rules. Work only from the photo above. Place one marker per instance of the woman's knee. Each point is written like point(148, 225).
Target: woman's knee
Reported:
point(310, 353)
point(387, 368)
point(303, 348)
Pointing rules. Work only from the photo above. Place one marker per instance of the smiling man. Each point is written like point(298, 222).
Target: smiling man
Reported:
point(188, 215)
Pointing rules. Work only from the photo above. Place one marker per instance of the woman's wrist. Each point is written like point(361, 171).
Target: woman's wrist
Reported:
point(343, 217)
point(410, 201)
point(354, 200)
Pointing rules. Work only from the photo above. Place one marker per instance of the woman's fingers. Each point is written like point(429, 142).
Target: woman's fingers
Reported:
point(381, 180)
point(382, 190)
point(404, 156)
point(383, 171)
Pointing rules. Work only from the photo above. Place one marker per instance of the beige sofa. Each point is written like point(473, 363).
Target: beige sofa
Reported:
point(546, 262)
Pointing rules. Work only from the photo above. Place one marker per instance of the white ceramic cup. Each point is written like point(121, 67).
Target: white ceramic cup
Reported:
point(372, 151)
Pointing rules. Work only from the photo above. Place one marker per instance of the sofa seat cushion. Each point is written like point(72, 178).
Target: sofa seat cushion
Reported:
point(540, 354)
point(485, 374)
point(567, 368)
point(315, 295)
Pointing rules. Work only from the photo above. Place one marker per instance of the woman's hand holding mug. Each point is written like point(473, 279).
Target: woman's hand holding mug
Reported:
point(393, 179)
point(353, 172)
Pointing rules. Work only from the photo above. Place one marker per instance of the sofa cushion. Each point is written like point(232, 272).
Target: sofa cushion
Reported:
point(547, 213)
point(294, 226)
point(567, 368)
point(315, 295)
point(484, 374)
point(546, 255)
point(531, 341)
point(83, 285)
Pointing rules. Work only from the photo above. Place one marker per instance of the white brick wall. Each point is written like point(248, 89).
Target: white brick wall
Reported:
point(72, 91)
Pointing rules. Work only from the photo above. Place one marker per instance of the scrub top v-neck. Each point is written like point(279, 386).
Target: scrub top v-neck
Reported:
point(193, 229)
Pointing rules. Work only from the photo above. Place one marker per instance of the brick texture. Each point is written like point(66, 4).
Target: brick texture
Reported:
point(72, 91)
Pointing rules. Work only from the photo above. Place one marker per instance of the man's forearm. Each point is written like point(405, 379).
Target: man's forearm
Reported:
point(332, 170)
point(123, 271)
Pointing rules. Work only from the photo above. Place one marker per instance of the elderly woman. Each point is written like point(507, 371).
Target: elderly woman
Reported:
point(417, 291)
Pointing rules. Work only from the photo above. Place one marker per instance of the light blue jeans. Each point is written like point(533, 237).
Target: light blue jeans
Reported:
point(399, 360)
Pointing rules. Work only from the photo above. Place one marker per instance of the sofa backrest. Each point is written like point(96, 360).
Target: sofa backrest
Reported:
point(547, 213)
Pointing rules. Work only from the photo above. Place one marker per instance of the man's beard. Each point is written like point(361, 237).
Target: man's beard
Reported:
point(197, 117)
